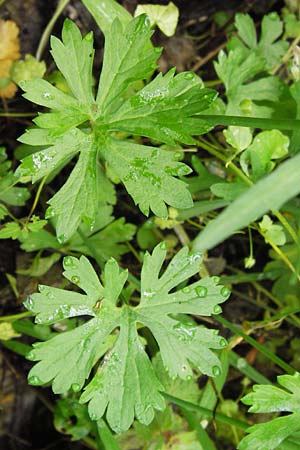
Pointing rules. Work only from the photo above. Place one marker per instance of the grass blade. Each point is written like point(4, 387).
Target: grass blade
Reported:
point(267, 194)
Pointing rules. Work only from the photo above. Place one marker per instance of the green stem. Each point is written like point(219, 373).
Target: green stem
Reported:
point(267, 353)
point(43, 42)
point(201, 433)
point(13, 317)
point(219, 417)
point(107, 438)
point(247, 180)
point(17, 114)
point(253, 122)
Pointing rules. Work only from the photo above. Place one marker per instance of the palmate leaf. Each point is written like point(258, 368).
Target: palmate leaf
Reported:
point(128, 57)
point(267, 399)
point(163, 109)
point(247, 57)
point(79, 123)
point(125, 384)
point(149, 170)
point(9, 194)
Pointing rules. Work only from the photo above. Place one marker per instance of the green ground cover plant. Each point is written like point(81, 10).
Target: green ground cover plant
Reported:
point(122, 347)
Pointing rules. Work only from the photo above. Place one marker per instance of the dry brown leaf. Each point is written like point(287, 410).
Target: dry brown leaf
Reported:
point(10, 90)
point(9, 41)
point(9, 52)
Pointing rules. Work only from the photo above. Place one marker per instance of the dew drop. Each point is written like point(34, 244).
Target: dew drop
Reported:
point(30, 356)
point(201, 291)
point(89, 37)
point(189, 75)
point(75, 279)
point(225, 291)
point(48, 96)
point(217, 309)
point(189, 377)
point(177, 156)
point(216, 371)
point(69, 262)
point(50, 213)
point(38, 320)
point(29, 303)
point(216, 279)
point(61, 238)
point(163, 245)
point(34, 380)
point(184, 170)
point(75, 387)
point(42, 288)
point(93, 416)
point(241, 363)
point(222, 342)
point(186, 290)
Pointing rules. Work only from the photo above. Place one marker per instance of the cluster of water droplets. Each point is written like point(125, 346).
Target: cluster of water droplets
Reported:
point(141, 168)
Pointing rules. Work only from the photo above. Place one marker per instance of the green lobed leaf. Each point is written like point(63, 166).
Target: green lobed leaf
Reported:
point(27, 69)
point(104, 13)
point(163, 109)
point(149, 170)
point(266, 399)
point(62, 149)
point(125, 384)
point(150, 179)
point(128, 57)
point(78, 198)
point(10, 194)
point(79, 50)
point(266, 146)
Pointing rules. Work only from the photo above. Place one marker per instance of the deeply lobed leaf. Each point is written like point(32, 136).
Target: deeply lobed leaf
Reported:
point(79, 123)
point(266, 399)
point(125, 384)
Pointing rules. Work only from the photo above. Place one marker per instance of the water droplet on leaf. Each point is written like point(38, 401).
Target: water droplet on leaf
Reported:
point(30, 356)
point(186, 290)
point(61, 238)
point(75, 279)
point(216, 371)
point(215, 279)
point(34, 380)
point(93, 416)
point(189, 75)
point(89, 36)
point(223, 342)
point(201, 291)
point(48, 96)
point(177, 156)
point(75, 387)
point(217, 309)
point(50, 213)
point(225, 291)
point(29, 303)
point(163, 245)
point(69, 262)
